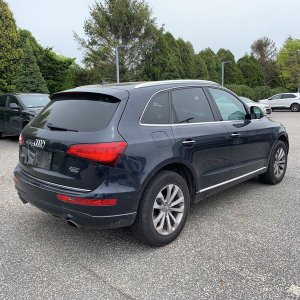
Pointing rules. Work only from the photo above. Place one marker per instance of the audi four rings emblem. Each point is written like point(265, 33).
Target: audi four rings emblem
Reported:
point(39, 144)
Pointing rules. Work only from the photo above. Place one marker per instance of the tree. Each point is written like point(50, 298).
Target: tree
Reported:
point(252, 71)
point(213, 64)
point(201, 71)
point(56, 69)
point(164, 61)
point(289, 63)
point(9, 55)
point(113, 23)
point(29, 78)
point(187, 56)
point(264, 50)
point(232, 74)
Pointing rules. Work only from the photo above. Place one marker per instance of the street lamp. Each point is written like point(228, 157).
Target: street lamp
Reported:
point(117, 61)
point(223, 66)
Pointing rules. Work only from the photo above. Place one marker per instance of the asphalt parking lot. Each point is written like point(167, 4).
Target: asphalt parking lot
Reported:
point(241, 244)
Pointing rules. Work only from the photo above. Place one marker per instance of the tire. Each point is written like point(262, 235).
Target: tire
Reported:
point(277, 164)
point(165, 230)
point(295, 107)
point(0, 135)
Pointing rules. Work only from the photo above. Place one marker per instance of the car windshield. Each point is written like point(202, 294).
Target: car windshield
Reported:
point(32, 101)
point(247, 100)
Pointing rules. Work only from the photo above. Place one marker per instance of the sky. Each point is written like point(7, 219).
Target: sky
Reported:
point(229, 24)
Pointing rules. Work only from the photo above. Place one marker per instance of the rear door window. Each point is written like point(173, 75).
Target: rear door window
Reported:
point(83, 115)
point(190, 105)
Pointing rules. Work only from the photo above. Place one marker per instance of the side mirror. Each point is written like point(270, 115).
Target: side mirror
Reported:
point(14, 106)
point(256, 112)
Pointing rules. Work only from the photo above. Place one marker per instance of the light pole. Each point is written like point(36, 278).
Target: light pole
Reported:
point(223, 66)
point(117, 61)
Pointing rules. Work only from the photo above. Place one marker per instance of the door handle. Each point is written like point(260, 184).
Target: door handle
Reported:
point(235, 135)
point(188, 142)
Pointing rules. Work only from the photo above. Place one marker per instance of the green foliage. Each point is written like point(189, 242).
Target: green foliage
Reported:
point(251, 70)
point(56, 69)
point(213, 64)
point(289, 63)
point(118, 22)
point(9, 54)
point(232, 74)
point(242, 90)
point(264, 50)
point(256, 93)
point(187, 56)
point(164, 61)
point(29, 77)
point(201, 71)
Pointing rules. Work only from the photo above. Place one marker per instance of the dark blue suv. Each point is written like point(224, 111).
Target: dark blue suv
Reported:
point(139, 154)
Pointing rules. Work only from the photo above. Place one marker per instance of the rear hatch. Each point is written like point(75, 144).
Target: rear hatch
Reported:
point(74, 141)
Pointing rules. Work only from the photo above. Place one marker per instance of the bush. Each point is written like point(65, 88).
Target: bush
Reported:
point(241, 90)
point(257, 93)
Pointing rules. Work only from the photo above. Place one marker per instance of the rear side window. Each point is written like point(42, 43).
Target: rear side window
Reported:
point(190, 106)
point(158, 110)
point(288, 96)
point(88, 114)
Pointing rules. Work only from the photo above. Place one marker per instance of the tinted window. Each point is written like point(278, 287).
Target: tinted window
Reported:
point(275, 97)
point(229, 106)
point(12, 99)
point(288, 96)
point(80, 115)
point(2, 101)
point(35, 100)
point(190, 106)
point(158, 110)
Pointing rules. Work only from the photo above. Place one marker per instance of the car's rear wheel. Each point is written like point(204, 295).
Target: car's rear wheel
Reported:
point(295, 107)
point(277, 164)
point(163, 210)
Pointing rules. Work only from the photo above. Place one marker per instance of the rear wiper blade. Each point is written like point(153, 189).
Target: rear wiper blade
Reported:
point(53, 127)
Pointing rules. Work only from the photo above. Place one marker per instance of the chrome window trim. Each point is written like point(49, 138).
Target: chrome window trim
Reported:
point(57, 185)
point(230, 180)
point(168, 90)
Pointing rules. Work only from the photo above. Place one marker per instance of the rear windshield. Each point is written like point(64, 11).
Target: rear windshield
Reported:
point(88, 114)
point(32, 100)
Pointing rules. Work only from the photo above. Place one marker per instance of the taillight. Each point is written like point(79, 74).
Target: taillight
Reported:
point(106, 153)
point(21, 139)
point(87, 202)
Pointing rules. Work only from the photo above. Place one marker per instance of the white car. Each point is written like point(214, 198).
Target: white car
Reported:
point(265, 108)
point(283, 101)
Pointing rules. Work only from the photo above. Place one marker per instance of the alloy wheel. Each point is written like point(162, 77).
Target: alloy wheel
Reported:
point(279, 162)
point(168, 209)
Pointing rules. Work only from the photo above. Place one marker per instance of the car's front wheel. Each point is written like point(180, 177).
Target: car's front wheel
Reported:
point(163, 210)
point(295, 107)
point(277, 164)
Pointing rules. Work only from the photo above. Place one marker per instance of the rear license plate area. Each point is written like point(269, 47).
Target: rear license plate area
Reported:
point(43, 159)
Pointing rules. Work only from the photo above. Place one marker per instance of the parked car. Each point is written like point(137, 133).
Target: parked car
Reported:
point(289, 101)
point(17, 110)
point(139, 154)
point(264, 107)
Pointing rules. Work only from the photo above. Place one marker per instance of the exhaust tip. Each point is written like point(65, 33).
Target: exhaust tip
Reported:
point(72, 224)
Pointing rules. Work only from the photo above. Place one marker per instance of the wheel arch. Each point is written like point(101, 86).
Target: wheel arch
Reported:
point(178, 167)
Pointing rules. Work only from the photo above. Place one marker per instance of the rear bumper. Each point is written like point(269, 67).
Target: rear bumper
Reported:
point(44, 197)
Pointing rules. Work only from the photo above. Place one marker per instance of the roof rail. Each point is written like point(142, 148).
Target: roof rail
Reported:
point(180, 81)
